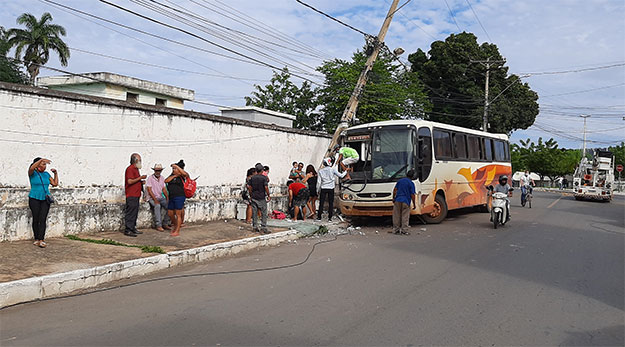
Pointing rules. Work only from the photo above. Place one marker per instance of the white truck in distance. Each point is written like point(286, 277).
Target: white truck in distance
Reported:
point(595, 179)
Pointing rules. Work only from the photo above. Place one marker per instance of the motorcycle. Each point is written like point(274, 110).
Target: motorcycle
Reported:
point(499, 210)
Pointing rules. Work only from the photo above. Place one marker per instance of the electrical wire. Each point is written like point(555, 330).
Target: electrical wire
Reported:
point(452, 16)
point(336, 19)
point(202, 39)
point(478, 20)
point(176, 277)
point(575, 70)
point(584, 91)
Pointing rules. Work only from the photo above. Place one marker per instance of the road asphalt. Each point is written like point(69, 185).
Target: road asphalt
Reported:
point(553, 276)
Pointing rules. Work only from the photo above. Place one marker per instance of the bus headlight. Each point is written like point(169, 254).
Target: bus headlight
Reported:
point(348, 197)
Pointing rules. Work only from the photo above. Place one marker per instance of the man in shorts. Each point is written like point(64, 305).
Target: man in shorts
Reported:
point(298, 197)
point(347, 157)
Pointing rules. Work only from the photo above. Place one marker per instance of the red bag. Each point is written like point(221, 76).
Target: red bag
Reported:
point(277, 215)
point(189, 187)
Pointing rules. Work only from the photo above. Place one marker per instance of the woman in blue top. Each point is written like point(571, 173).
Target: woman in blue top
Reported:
point(40, 181)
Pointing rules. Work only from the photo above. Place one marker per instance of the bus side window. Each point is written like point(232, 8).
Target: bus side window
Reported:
point(500, 150)
point(474, 148)
point(424, 153)
point(507, 147)
point(442, 144)
point(488, 149)
point(460, 147)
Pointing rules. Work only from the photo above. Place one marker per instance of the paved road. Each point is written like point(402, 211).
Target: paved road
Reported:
point(553, 276)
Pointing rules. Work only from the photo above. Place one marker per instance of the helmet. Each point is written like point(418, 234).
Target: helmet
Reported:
point(337, 147)
point(327, 161)
point(503, 179)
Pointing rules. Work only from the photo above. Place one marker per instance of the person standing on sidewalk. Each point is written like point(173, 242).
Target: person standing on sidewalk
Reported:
point(258, 187)
point(403, 197)
point(133, 185)
point(175, 185)
point(38, 197)
point(158, 197)
point(327, 177)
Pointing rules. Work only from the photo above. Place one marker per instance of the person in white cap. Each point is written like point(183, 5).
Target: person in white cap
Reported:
point(158, 197)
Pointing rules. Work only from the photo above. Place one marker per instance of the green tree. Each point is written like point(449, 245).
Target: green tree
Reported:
point(282, 95)
point(544, 158)
point(390, 92)
point(455, 86)
point(619, 156)
point(10, 70)
point(33, 44)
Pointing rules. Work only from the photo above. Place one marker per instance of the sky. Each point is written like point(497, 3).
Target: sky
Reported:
point(535, 36)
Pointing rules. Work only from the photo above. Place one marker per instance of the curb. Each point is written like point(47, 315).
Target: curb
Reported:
point(41, 287)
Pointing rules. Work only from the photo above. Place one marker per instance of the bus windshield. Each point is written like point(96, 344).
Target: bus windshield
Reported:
point(386, 154)
point(393, 153)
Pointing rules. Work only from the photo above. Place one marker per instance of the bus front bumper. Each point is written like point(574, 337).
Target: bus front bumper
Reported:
point(368, 209)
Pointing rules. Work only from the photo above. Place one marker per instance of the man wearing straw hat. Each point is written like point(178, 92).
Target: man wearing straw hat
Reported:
point(158, 197)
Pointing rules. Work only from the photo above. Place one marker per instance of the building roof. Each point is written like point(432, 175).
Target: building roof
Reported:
point(120, 80)
point(258, 109)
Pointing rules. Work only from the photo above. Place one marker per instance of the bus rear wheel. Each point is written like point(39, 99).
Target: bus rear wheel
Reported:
point(439, 213)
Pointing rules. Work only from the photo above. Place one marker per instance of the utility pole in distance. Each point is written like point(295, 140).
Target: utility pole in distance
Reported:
point(584, 145)
point(487, 63)
point(352, 104)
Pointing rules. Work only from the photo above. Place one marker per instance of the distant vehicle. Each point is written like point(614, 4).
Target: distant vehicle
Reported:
point(453, 167)
point(594, 179)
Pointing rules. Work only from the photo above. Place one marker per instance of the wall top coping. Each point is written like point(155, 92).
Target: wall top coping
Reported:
point(161, 110)
point(121, 80)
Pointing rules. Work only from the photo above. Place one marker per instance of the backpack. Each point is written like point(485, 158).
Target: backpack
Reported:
point(189, 187)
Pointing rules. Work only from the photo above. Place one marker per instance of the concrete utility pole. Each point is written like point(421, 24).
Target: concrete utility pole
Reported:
point(487, 63)
point(584, 145)
point(352, 104)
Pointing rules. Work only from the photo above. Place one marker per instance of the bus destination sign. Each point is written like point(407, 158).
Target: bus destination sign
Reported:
point(359, 137)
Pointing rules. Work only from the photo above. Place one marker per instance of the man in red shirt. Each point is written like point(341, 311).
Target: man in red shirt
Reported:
point(298, 197)
point(133, 184)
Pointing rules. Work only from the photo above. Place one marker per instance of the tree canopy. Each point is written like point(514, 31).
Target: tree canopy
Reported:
point(390, 91)
point(455, 85)
point(282, 95)
point(544, 158)
point(10, 70)
point(33, 44)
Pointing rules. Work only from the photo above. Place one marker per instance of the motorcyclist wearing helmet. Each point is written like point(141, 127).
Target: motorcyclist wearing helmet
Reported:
point(504, 187)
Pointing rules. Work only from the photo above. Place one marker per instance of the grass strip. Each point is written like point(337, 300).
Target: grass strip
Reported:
point(144, 248)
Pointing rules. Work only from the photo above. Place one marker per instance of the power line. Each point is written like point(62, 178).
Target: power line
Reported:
point(584, 91)
point(479, 21)
point(452, 16)
point(165, 67)
point(335, 19)
point(202, 39)
point(67, 10)
point(222, 32)
point(576, 70)
point(260, 26)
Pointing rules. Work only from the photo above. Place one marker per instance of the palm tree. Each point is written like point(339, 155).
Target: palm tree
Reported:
point(36, 42)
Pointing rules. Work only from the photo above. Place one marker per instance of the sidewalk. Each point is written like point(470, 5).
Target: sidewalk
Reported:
point(29, 273)
point(21, 259)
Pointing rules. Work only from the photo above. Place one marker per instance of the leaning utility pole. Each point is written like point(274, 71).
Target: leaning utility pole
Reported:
point(584, 145)
point(487, 63)
point(352, 104)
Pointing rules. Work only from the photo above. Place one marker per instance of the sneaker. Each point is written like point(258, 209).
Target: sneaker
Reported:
point(131, 234)
point(138, 232)
point(265, 231)
point(405, 233)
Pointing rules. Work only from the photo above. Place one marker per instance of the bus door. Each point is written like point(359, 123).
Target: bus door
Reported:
point(424, 153)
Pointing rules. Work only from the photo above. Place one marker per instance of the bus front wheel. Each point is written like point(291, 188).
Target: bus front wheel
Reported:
point(439, 213)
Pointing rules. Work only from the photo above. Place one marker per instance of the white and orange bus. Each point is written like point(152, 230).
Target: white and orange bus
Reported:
point(453, 166)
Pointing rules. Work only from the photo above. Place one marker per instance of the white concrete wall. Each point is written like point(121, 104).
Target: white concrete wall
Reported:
point(89, 141)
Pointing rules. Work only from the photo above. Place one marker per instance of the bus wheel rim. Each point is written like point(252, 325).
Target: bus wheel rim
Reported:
point(437, 210)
